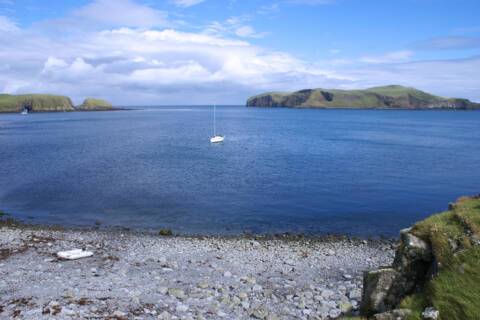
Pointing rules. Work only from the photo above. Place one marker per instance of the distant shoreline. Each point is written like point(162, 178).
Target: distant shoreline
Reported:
point(69, 111)
point(389, 97)
point(362, 108)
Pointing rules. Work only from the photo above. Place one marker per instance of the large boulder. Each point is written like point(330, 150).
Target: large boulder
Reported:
point(383, 289)
point(413, 260)
point(378, 291)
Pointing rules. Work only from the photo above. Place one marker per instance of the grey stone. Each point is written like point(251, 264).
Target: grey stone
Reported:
point(430, 313)
point(345, 307)
point(355, 294)
point(378, 291)
point(260, 313)
point(397, 314)
point(177, 293)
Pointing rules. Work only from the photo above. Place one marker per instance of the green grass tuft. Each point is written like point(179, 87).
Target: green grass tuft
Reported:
point(455, 290)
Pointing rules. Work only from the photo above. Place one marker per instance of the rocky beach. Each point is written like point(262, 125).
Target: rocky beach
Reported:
point(146, 276)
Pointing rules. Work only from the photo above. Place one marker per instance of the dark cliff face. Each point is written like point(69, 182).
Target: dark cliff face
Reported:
point(379, 97)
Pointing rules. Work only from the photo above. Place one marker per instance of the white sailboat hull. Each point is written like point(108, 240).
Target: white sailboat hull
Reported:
point(217, 139)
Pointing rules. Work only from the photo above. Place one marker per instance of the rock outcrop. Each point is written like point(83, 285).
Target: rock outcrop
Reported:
point(379, 97)
point(436, 270)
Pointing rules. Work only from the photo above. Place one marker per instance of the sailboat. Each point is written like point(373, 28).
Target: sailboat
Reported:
point(25, 111)
point(216, 138)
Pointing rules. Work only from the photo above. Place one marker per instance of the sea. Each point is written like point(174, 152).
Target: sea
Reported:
point(366, 173)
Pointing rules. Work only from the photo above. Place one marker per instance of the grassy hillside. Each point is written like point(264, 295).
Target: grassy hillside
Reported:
point(378, 97)
point(34, 103)
point(455, 239)
point(95, 104)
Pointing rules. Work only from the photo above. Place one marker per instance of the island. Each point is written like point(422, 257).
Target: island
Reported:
point(48, 103)
point(386, 97)
point(35, 103)
point(92, 104)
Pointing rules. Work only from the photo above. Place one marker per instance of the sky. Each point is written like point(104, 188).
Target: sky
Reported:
point(174, 52)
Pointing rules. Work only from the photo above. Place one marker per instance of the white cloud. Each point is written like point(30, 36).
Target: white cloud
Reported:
point(7, 25)
point(391, 57)
point(450, 78)
point(311, 2)
point(187, 3)
point(121, 13)
point(237, 26)
point(154, 65)
point(449, 43)
point(247, 31)
point(127, 65)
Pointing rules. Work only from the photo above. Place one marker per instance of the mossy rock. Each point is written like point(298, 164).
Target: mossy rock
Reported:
point(165, 232)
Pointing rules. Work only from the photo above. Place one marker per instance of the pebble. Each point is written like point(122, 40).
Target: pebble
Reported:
point(119, 315)
point(257, 287)
point(260, 313)
point(243, 295)
point(177, 293)
point(165, 315)
point(182, 308)
point(355, 294)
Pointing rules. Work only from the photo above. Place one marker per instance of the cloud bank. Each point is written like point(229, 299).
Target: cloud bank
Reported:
point(133, 54)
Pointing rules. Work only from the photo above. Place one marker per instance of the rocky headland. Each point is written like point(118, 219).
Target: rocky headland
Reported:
point(387, 97)
point(48, 103)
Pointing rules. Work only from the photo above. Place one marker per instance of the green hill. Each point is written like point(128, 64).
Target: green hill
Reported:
point(95, 104)
point(34, 103)
point(393, 96)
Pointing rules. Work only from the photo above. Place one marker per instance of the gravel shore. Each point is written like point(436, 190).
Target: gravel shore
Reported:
point(144, 276)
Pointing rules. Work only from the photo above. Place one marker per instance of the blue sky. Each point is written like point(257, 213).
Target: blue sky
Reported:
point(198, 52)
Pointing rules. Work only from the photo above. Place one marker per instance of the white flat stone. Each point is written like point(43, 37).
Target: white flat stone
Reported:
point(74, 254)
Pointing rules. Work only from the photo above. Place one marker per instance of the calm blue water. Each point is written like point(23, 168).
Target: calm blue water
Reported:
point(314, 171)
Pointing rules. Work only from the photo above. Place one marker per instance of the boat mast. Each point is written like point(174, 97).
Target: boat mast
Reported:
point(214, 120)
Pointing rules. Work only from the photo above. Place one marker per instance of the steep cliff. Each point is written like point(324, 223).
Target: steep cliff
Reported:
point(378, 97)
